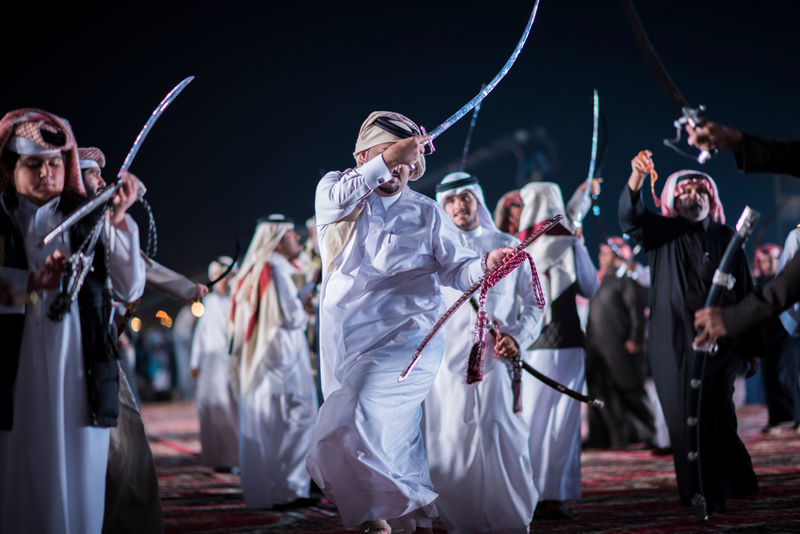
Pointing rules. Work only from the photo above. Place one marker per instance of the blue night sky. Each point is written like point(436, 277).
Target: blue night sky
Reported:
point(280, 93)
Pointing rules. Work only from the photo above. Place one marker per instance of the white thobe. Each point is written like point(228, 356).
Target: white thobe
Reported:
point(477, 446)
point(277, 414)
point(377, 304)
point(554, 418)
point(52, 462)
point(216, 401)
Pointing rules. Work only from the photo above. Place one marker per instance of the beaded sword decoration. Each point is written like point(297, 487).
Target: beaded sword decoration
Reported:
point(512, 261)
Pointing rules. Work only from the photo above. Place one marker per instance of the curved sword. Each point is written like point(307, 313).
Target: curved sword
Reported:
point(104, 197)
point(578, 222)
point(689, 114)
point(436, 132)
point(231, 267)
point(469, 134)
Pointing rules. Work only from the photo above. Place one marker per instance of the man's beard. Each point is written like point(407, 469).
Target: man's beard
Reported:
point(694, 212)
point(390, 189)
point(469, 222)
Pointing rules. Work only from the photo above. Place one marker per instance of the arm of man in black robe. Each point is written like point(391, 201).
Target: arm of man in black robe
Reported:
point(756, 308)
point(635, 299)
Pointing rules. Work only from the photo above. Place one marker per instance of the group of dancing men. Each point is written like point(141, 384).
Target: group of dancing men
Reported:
point(384, 264)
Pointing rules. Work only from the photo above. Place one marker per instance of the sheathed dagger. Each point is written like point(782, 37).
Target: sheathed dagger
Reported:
point(436, 132)
point(90, 205)
point(690, 114)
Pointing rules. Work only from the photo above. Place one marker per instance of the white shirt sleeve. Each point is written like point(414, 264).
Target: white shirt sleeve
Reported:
point(294, 315)
point(338, 193)
point(587, 274)
point(459, 266)
point(127, 269)
point(791, 317)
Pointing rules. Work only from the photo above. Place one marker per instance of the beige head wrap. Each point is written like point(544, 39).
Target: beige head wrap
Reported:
point(372, 135)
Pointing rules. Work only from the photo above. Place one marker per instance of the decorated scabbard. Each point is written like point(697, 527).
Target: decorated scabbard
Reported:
point(723, 280)
point(561, 388)
point(468, 293)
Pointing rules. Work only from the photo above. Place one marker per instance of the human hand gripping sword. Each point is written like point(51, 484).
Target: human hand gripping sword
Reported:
point(105, 197)
point(690, 114)
point(721, 281)
point(518, 361)
point(511, 259)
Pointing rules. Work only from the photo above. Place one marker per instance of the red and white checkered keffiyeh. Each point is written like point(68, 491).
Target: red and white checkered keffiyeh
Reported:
point(674, 186)
point(28, 123)
point(94, 154)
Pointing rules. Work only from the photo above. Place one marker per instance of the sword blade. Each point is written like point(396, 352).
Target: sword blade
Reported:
point(469, 134)
point(436, 132)
point(90, 205)
point(585, 201)
point(650, 55)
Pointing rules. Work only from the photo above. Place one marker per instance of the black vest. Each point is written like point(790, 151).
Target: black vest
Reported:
point(99, 338)
point(564, 330)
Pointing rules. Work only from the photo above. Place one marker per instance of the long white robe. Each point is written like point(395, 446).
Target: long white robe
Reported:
point(216, 401)
point(382, 298)
point(477, 446)
point(52, 462)
point(133, 504)
point(555, 419)
point(277, 414)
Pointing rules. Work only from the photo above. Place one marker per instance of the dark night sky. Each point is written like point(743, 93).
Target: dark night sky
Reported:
point(280, 93)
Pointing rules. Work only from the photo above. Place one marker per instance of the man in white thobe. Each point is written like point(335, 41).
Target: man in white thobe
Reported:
point(272, 370)
point(384, 249)
point(60, 399)
point(216, 400)
point(477, 446)
point(566, 270)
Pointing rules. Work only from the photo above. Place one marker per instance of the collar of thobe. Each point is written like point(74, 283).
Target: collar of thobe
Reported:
point(387, 202)
point(27, 205)
point(473, 234)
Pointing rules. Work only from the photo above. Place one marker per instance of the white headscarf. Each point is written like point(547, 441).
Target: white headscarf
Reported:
point(460, 181)
point(553, 254)
point(256, 313)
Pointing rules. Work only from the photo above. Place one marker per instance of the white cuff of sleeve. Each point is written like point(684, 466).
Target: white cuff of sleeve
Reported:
point(375, 172)
point(475, 270)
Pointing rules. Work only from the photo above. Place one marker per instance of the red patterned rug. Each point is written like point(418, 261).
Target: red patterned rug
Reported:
point(623, 491)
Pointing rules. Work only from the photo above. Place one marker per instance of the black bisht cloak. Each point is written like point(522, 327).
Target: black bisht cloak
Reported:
point(683, 258)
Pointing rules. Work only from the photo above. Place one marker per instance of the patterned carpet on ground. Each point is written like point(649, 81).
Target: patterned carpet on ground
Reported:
point(623, 491)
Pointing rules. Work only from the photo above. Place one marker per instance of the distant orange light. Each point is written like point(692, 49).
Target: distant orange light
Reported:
point(166, 320)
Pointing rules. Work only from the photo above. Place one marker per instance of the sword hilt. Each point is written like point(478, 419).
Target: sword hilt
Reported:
point(690, 117)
